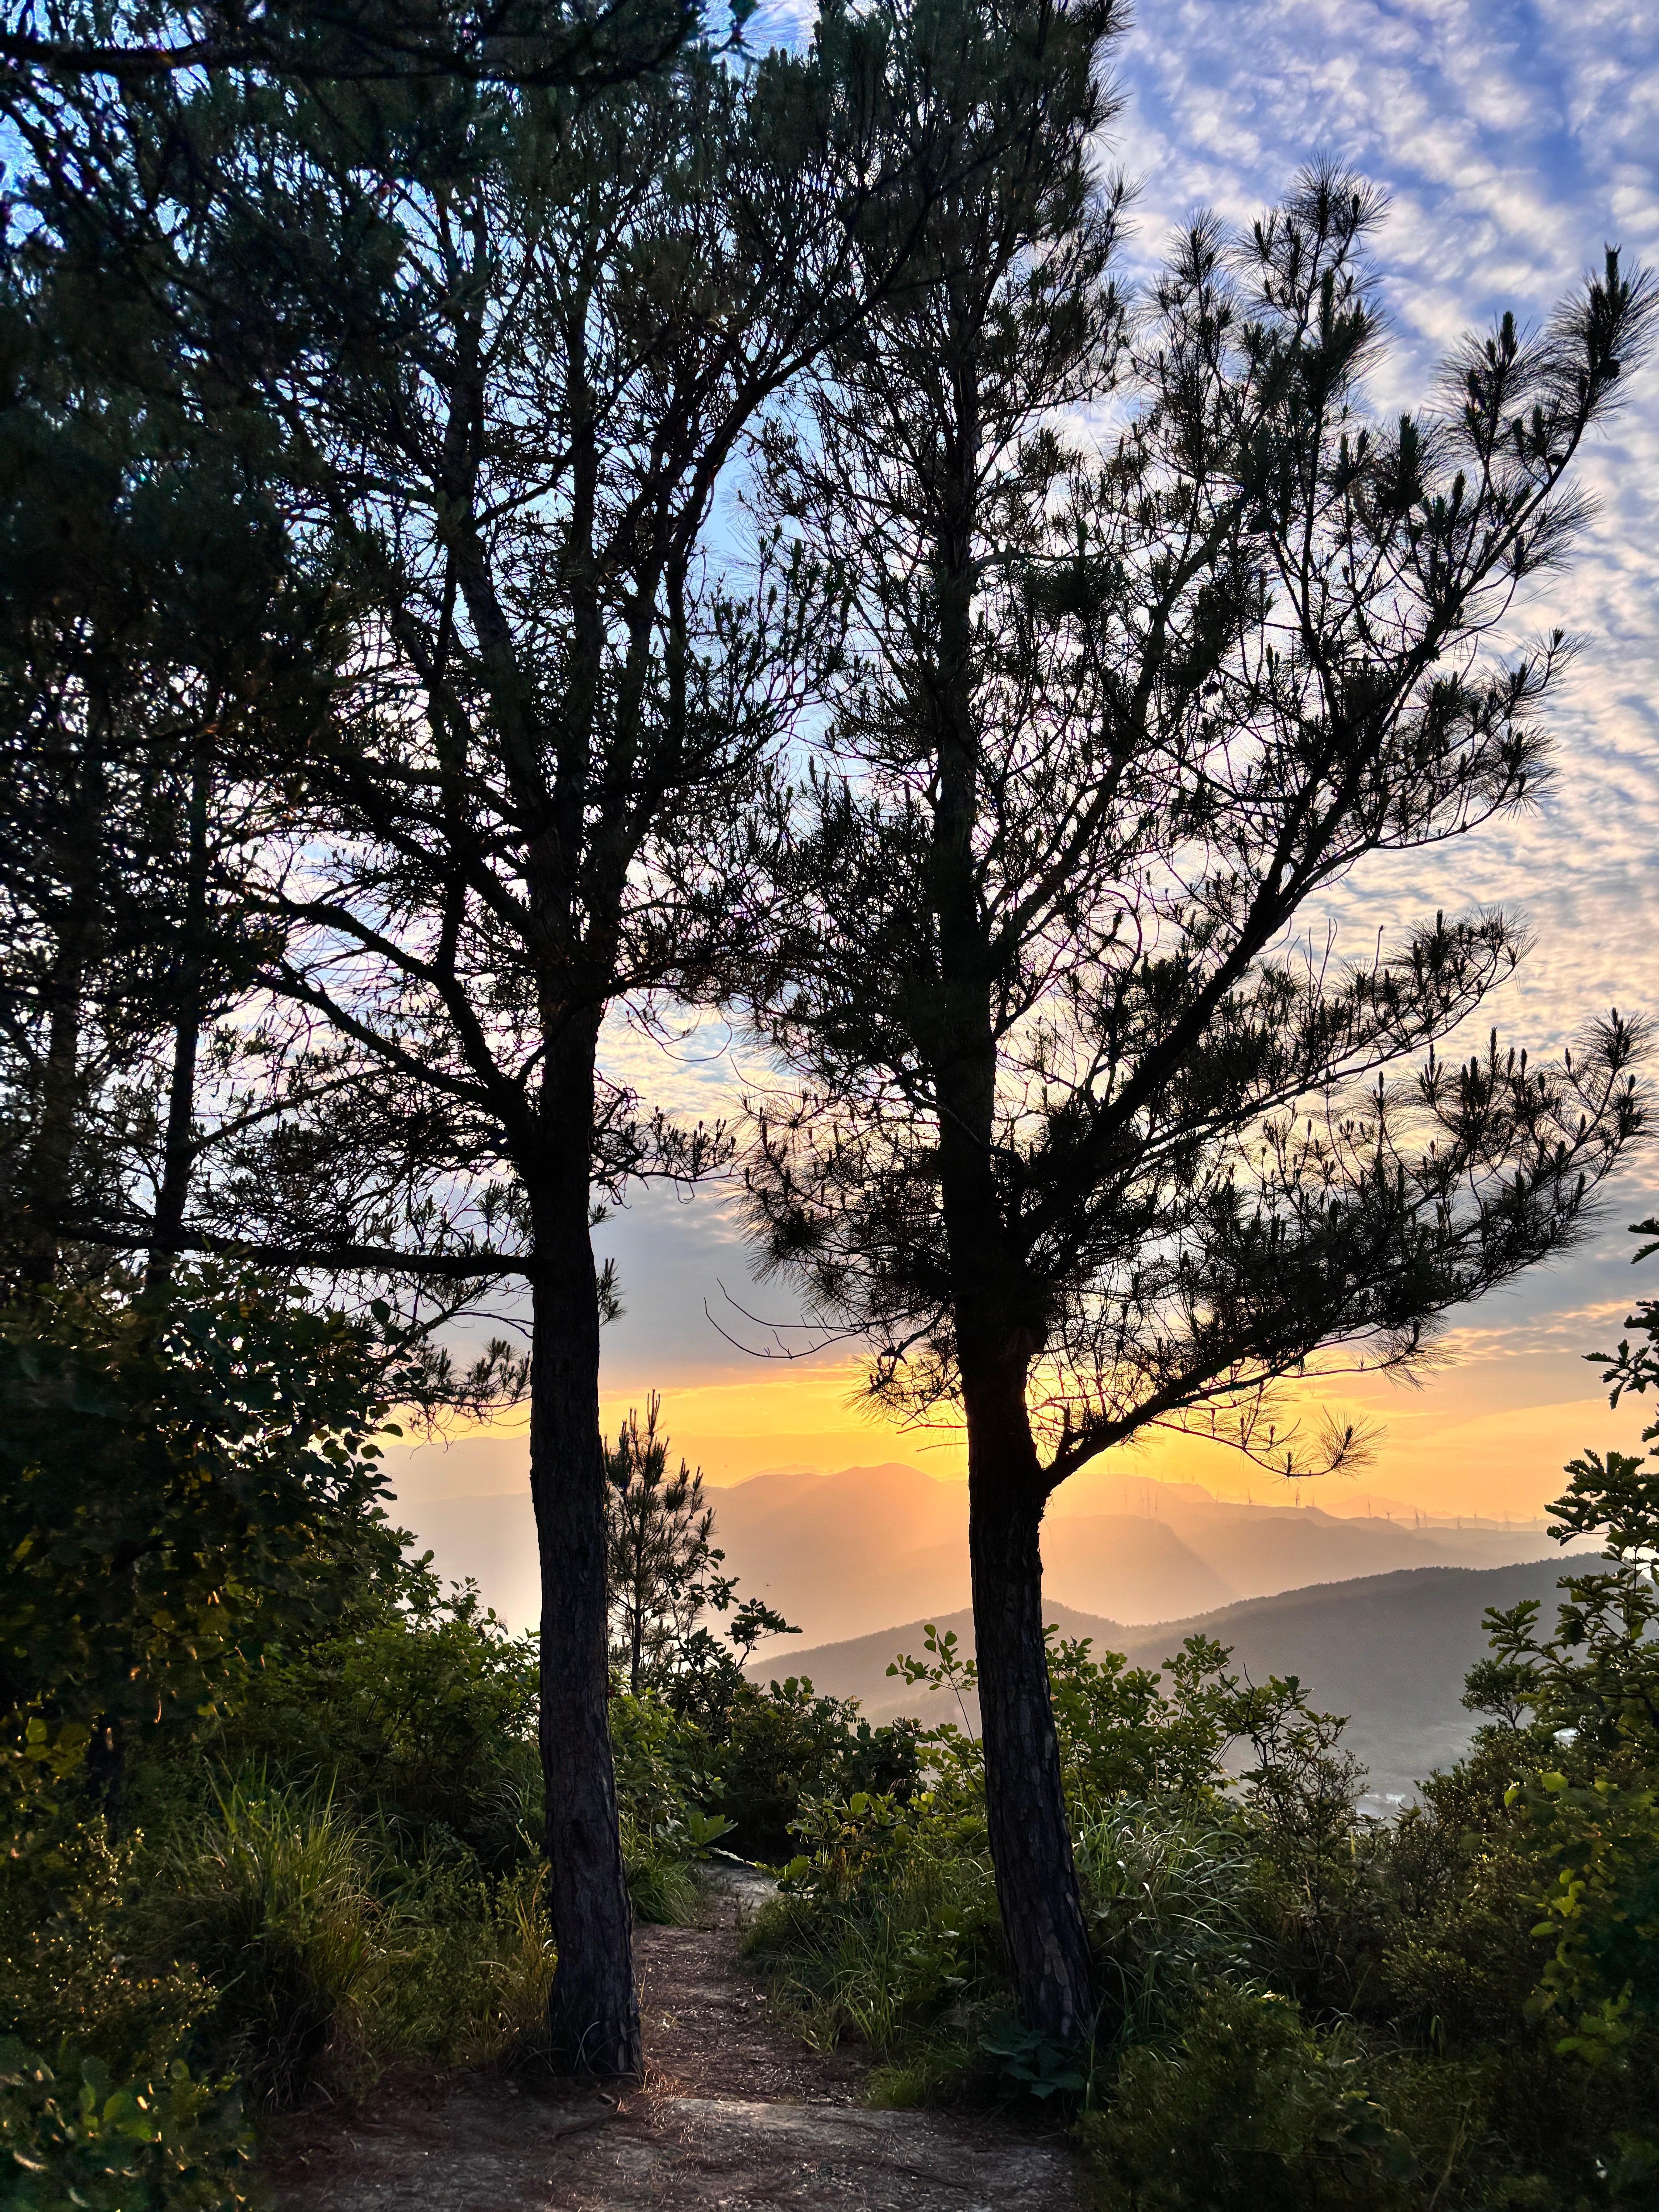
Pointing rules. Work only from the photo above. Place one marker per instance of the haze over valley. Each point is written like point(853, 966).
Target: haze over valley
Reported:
point(846, 1554)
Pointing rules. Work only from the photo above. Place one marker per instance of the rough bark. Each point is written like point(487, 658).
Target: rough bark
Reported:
point(998, 1326)
point(178, 1156)
point(594, 2012)
point(1031, 1844)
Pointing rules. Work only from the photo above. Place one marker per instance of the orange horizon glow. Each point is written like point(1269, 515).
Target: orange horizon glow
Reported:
point(1459, 1445)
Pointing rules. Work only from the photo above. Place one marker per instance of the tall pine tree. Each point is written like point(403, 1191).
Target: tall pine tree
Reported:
point(1094, 1133)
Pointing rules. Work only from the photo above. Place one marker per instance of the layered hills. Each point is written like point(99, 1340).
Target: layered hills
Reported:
point(844, 1553)
point(1390, 1650)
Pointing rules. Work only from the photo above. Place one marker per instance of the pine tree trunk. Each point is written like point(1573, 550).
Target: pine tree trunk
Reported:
point(178, 1156)
point(594, 2012)
point(1030, 1845)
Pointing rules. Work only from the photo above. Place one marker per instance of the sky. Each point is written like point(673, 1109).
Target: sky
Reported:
point(1516, 139)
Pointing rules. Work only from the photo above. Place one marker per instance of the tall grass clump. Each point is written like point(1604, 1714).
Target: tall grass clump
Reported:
point(887, 1932)
point(1167, 1893)
point(270, 1900)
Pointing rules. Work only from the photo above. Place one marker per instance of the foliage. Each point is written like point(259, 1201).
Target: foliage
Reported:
point(1593, 1685)
point(271, 1901)
point(786, 1745)
point(1167, 1899)
point(187, 1484)
point(889, 1935)
point(662, 1573)
point(1601, 1910)
point(1598, 1674)
point(163, 634)
point(418, 1714)
point(73, 2137)
point(1248, 2107)
point(1038, 2064)
point(659, 1558)
point(1124, 1732)
point(76, 1971)
point(464, 1967)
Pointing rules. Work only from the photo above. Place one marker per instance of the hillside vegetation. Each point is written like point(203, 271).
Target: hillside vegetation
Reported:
point(538, 542)
point(1389, 1651)
point(276, 1815)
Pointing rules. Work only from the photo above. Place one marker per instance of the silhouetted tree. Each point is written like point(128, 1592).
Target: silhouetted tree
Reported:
point(664, 1571)
point(659, 1548)
point(1089, 1139)
point(55, 46)
point(512, 341)
point(159, 630)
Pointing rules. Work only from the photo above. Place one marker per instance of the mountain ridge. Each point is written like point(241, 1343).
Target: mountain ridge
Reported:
point(1390, 1651)
point(844, 1553)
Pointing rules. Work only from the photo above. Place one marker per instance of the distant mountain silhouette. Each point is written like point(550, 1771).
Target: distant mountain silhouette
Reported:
point(843, 1554)
point(1390, 1650)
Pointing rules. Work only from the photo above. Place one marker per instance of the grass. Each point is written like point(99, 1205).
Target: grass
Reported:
point(910, 1962)
point(335, 1953)
point(660, 1887)
point(910, 1967)
point(271, 1900)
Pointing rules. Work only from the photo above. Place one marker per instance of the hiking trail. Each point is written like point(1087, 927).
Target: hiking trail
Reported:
point(734, 2116)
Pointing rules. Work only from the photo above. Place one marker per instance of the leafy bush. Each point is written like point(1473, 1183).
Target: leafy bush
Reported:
point(71, 1975)
point(271, 1901)
point(786, 1746)
point(167, 2144)
point(187, 1482)
point(1126, 1732)
point(419, 1715)
point(1249, 2108)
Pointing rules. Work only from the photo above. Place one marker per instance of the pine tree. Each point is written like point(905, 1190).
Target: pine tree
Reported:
point(512, 342)
point(1095, 1131)
point(158, 630)
point(659, 1549)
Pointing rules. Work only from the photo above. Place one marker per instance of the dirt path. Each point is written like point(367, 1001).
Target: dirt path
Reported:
point(735, 2116)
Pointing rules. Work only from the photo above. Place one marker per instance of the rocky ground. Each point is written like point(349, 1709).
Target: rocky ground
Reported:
point(735, 2116)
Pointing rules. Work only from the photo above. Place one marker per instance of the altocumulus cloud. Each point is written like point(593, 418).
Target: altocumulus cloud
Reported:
point(1515, 138)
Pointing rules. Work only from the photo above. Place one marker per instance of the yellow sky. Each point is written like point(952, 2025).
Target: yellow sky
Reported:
point(1489, 1435)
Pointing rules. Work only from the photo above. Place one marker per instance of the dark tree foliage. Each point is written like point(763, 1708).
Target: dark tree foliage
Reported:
point(188, 1485)
point(158, 631)
point(511, 341)
point(659, 1550)
point(663, 1569)
point(1090, 1137)
point(1597, 1675)
point(50, 46)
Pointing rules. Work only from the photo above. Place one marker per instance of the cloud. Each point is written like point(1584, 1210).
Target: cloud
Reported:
point(1514, 139)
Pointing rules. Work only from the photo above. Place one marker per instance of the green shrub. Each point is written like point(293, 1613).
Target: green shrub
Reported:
point(68, 2136)
point(188, 1484)
point(72, 1975)
point(271, 1901)
point(1126, 1732)
point(786, 1745)
point(419, 1715)
point(1250, 2109)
